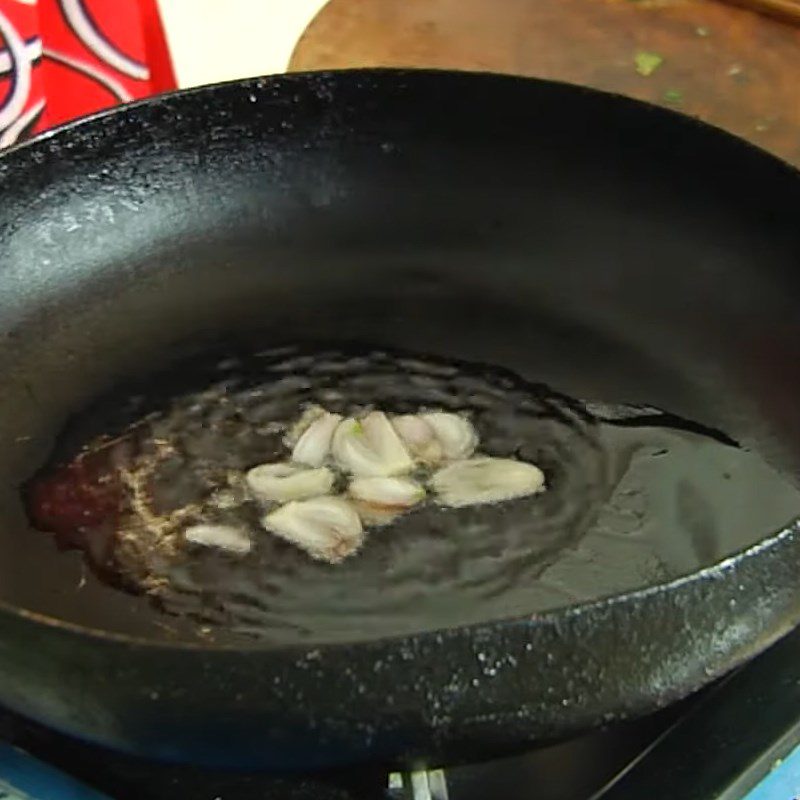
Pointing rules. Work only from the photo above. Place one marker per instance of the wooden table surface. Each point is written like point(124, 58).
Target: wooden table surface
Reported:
point(732, 67)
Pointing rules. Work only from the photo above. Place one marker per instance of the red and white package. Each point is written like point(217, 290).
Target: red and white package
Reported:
point(61, 59)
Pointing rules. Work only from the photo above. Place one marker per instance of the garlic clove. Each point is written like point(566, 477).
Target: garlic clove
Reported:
point(456, 434)
point(281, 483)
point(388, 492)
point(370, 447)
point(309, 415)
point(380, 500)
point(486, 480)
point(419, 437)
point(327, 528)
point(387, 443)
point(225, 537)
point(314, 444)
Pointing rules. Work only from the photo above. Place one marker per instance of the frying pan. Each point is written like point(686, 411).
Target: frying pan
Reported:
point(610, 249)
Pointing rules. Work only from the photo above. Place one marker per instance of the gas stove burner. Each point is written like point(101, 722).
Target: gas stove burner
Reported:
point(421, 784)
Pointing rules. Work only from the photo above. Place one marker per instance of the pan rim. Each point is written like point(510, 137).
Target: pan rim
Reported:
point(771, 541)
point(260, 82)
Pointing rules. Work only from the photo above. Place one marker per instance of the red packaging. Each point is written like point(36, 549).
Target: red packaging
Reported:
point(61, 59)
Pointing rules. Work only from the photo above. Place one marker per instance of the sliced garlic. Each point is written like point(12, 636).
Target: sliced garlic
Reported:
point(380, 500)
point(370, 447)
point(456, 434)
point(486, 480)
point(327, 528)
point(419, 437)
point(314, 444)
point(280, 483)
point(225, 537)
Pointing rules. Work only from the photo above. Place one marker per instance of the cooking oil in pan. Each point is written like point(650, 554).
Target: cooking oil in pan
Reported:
point(634, 497)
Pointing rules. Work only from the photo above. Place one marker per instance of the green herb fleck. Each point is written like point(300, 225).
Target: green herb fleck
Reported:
point(674, 96)
point(647, 63)
point(358, 428)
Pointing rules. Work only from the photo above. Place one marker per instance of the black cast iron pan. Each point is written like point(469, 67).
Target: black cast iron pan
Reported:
point(610, 249)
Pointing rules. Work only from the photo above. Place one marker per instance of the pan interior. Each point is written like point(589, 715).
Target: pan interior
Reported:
point(634, 496)
point(489, 228)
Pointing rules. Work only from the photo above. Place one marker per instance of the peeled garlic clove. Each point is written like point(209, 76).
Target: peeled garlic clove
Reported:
point(456, 435)
point(225, 537)
point(419, 437)
point(380, 500)
point(309, 415)
point(327, 528)
point(370, 447)
point(387, 443)
point(314, 444)
point(280, 483)
point(387, 492)
point(486, 480)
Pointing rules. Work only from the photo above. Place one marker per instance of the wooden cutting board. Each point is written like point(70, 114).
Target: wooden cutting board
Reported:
point(732, 67)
